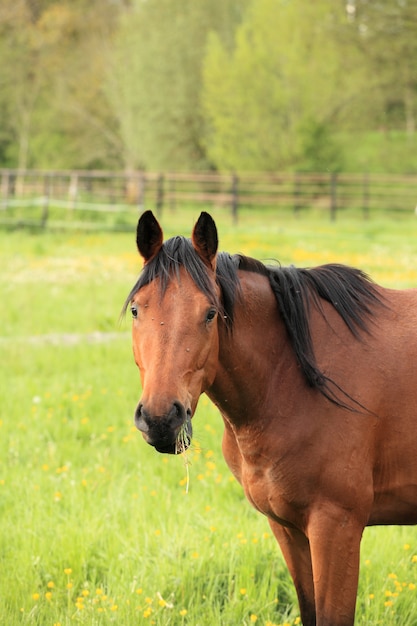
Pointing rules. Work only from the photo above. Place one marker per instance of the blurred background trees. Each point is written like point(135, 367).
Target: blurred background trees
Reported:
point(209, 84)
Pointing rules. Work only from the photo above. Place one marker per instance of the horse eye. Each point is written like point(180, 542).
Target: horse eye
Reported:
point(211, 314)
point(134, 310)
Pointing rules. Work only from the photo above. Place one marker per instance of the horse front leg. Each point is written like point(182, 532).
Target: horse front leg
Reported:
point(296, 551)
point(335, 536)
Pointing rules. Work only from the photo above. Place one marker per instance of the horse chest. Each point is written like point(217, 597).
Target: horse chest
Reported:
point(266, 483)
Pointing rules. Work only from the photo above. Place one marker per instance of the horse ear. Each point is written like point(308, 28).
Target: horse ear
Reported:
point(205, 240)
point(149, 236)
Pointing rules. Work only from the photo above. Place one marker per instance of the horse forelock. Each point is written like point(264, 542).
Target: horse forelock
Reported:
point(175, 253)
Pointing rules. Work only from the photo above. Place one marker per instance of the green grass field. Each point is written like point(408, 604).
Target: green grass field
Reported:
point(96, 528)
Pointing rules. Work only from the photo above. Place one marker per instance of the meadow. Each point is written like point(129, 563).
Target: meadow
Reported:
point(96, 528)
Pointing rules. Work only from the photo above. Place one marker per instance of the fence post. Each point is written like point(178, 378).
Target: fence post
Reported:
point(46, 194)
point(171, 194)
point(365, 201)
point(160, 195)
point(5, 189)
point(235, 197)
point(73, 189)
point(297, 193)
point(333, 196)
point(141, 191)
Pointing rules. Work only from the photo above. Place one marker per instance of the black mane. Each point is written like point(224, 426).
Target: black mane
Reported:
point(296, 290)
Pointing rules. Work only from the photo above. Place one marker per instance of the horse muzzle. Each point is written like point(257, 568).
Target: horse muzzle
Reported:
point(169, 433)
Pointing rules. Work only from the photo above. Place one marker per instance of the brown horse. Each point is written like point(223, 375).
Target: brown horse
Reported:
point(314, 372)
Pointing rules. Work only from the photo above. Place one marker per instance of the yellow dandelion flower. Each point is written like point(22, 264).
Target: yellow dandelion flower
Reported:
point(69, 585)
point(68, 571)
point(147, 612)
point(243, 591)
point(195, 555)
point(50, 585)
point(114, 607)
point(411, 586)
point(35, 596)
point(388, 603)
point(139, 591)
point(148, 600)
point(85, 593)
point(371, 596)
point(162, 602)
point(183, 612)
point(253, 618)
point(99, 591)
point(406, 546)
point(48, 596)
point(414, 558)
point(297, 620)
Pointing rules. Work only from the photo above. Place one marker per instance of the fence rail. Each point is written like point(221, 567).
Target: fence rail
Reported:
point(94, 199)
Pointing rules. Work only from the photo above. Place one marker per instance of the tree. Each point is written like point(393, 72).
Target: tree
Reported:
point(386, 33)
point(282, 79)
point(50, 83)
point(154, 79)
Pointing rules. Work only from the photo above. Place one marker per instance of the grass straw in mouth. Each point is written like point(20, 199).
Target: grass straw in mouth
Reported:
point(181, 445)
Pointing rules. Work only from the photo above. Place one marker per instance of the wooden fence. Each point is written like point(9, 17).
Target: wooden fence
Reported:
point(100, 199)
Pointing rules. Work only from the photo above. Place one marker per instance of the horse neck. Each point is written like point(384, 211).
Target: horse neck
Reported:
point(254, 356)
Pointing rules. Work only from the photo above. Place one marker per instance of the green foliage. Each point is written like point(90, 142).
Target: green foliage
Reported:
point(267, 100)
point(225, 84)
point(49, 92)
point(154, 79)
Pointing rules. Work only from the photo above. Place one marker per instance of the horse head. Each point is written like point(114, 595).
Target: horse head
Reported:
point(175, 337)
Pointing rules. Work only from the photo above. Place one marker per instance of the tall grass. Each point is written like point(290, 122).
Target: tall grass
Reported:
point(97, 528)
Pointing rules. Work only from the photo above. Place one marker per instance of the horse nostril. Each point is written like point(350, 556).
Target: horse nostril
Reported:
point(177, 414)
point(140, 419)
